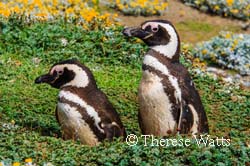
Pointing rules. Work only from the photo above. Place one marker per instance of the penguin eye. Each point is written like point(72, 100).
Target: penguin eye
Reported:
point(155, 29)
point(60, 72)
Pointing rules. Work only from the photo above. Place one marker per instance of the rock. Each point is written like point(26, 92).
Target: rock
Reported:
point(234, 79)
point(228, 79)
point(245, 26)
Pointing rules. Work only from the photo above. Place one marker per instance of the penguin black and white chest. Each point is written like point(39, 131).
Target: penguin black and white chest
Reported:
point(83, 111)
point(169, 102)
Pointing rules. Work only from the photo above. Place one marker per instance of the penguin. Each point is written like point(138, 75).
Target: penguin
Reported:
point(168, 100)
point(83, 111)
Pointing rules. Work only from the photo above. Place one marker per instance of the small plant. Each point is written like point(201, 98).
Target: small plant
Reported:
point(27, 162)
point(228, 8)
point(139, 7)
point(228, 50)
point(83, 12)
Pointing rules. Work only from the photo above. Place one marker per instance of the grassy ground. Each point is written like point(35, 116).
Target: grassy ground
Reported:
point(28, 109)
point(197, 31)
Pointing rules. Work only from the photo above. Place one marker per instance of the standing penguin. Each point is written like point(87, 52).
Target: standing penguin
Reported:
point(83, 111)
point(168, 100)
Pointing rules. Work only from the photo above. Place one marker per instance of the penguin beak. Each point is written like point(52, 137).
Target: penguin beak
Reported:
point(136, 32)
point(47, 78)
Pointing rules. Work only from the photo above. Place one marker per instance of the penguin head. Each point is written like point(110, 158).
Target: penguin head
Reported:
point(67, 73)
point(159, 35)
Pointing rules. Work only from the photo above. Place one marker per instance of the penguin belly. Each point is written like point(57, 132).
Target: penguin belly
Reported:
point(155, 107)
point(73, 126)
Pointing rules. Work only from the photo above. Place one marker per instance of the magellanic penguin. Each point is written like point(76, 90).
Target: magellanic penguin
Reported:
point(169, 102)
point(83, 111)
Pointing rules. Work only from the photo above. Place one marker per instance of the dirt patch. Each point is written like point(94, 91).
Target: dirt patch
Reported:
point(180, 14)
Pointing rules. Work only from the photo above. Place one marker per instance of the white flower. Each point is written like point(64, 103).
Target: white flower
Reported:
point(64, 42)
point(241, 36)
point(48, 164)
point(36, 60)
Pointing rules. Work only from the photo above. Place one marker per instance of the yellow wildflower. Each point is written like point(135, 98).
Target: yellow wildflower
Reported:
point(235, 11)
point(230, 2)
point(69, 10)
point(85, 26)
point(213, 58)
point(15, 9)
point(216, 7)
point(38, 3)
point(16, 164)
point(5, 13)
point(120, 6)
point(223, 53)
point(228, 36)
point(2, 5)
point(88, 14)
point(95, 2)
point(28, 160)
point(55, 2)
point(204, 51)
point(104, 39)
point(133, 4)
point(41, 16)
point(235, 42)
point(196, 60)
point(203, 64)
point(164, 5)
point(185, 46)
point(42, 9)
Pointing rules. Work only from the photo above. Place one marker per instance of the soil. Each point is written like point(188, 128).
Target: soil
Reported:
point(177, 12)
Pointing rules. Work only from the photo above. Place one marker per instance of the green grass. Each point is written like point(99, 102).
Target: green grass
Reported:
point(116, 64)
point(197, 31)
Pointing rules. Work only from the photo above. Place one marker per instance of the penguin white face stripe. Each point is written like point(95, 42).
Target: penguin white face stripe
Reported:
point(194, 128)
point(153, 62)
point(77, 100)
point(169, 49)
point(81, 79)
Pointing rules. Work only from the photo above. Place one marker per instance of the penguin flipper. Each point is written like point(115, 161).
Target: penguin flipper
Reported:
point(186, 119)
point(112, 130)
point(192, 102)
point(140, 123)
point(108, 113)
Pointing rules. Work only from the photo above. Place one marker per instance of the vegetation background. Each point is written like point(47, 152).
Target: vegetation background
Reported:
point(33, 36)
